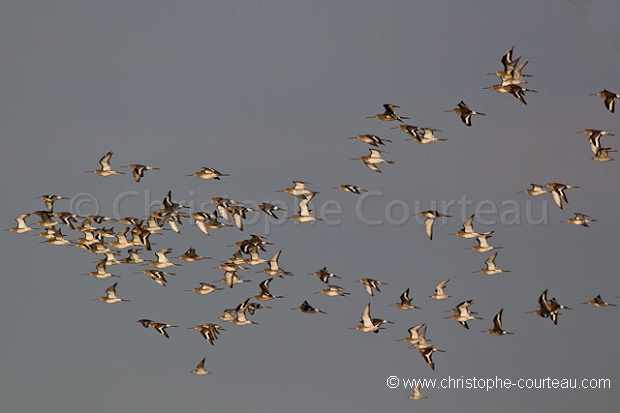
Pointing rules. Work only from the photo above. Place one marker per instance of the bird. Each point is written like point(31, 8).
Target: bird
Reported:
point(101, 270)
point(162, 260)
point(515, 90)
point(265, 293)
point(608, 97)
point(370, 285)
point(429, 222)
point(21, 224)
point(598, 302)
point(427, 355)
point(368, 323)
point(200, 368)
point(158, 276)
point(106, 169)
point(512, 73)
point(298, 189)
point(205, 288)
point(269, 209)
point(49, 200)
point(465, 113)
point(417, 394)
point(462, 313)
point(603, 155)
point(351, 188)
point(333, 291)
point(428, 136)
point(483, 244)
point(138, 170)
point(373, 159)
point(554, 309)
point(305, 307)
point(208, 331)
point(491, 268)
point(304, 212)
point(191, 256)
point(543, 306)
point(388, 115)
point(558, 194)
point(411, 130)
point(133, 257)
point(439, 291)
point(240, 318)
point(373, 140)
point(111, 297)
point(580, 219)
point(535, 190)
point(161, 328)
point(405, 302)
point(414, 336)
point(252, 307)
point(594, 138)
point(497, 329)
point(208, 173)
point(468, 230)
point(231, 278)
point(274, 269)
point(324, 275)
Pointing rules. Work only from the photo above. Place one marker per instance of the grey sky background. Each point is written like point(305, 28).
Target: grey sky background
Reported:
point(269, 93)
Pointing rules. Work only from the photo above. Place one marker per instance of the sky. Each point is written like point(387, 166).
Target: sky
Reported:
point(268, 93)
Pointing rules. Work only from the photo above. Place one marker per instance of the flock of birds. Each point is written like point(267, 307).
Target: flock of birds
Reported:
point(135, 237)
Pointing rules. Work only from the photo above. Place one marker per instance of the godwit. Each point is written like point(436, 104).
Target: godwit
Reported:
point(50, 199)
point(411, 130)
point(162, 260)
point(255, 258)
point(580, 219)
point(427, 355)
point(111, 297)
point(238, 214)
point(158, 276)
point(161, 328)
point(594, 138)
point(265, 293)
point(543, 306)
point(462, 313)
point(368, 323)
point(252, 307)
point(208, 331)
point(191, 256)
point(422, 341)
point(603, 155)
point(429, 222)
point(106, 169)
point(464, 112)
point(59, 239)
point(229, 315)
point(45, 219)
point(231, 278)
point(333, 291)
point(373, 159)
point(138, 170)
point(483, 244)
point(439, 291)
point(417, 394)
point(240, 318)
point(598, 302)
point(269, 209)
point(146, 323)
point(298, 189)
point(557, 192)
point(535, 190)
point(324, 275)
point(121, 239)
point(208, 173)
point(370, 285)
point(405, 301)
point(608, 97)
point(388, 115)
point(222, 204)
point(351, 188)
point(205, 222)
point(200, 368)
point(205, 288)
point(101, 270)
point(308, 309)
point(274, 269)
point(132, 257)
point(515, 90)
point(491, 268)
point(467, 231)
point(512, 77)
point(428, 136)
point(497, 329)
point(21, 224)
point(554, 309)
point(414, 336)
point(373, 140)
point(304, 212)
point(509, 63)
